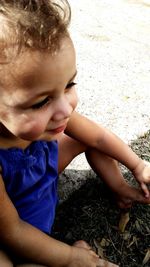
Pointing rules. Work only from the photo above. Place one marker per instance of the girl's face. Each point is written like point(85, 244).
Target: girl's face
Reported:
point(37, 93)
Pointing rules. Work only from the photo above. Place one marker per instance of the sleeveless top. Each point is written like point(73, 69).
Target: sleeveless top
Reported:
point(30, 178)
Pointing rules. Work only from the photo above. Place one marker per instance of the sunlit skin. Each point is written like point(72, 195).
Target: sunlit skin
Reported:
point(37, 93)
point(37, 102)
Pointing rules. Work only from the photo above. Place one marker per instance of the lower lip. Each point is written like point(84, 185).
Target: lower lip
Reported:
point(58, 130)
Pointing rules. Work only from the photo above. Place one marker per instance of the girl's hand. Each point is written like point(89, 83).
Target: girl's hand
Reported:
point(142, 175)
point(84, 256)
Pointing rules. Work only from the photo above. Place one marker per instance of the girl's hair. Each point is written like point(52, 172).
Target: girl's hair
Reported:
point(33, 24)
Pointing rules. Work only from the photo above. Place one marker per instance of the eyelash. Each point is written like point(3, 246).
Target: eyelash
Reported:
point(46, 100)
point(41, 104)
point(70, 85)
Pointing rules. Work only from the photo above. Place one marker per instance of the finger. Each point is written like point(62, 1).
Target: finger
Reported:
point(93, 253)
point(145, 190)
point(146, 172)
point(103, 263)
point(81, 244)
point(147, 163)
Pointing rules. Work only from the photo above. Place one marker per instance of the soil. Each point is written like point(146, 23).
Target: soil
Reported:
point(90, 213)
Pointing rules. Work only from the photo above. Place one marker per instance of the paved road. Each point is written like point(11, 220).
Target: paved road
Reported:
point(112, 40)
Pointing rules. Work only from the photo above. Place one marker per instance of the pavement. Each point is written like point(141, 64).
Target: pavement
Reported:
point(112, 41)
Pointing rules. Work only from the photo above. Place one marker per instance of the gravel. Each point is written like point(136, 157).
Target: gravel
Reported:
point(112, 41)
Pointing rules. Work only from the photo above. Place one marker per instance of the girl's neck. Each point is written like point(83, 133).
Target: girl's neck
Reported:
point(5, 133)
point(8, 140)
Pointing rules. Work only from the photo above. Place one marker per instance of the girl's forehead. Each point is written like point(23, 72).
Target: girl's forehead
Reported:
point(17, 69)
point(31, 66)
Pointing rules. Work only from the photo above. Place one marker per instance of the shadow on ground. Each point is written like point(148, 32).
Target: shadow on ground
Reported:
point(90, 213)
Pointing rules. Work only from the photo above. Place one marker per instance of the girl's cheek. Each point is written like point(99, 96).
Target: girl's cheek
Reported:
point(30, 135)
point(31, 130)
point(34, 126)
point(74, 99)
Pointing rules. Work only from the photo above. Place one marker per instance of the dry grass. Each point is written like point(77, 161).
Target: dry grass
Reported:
point(90, 214)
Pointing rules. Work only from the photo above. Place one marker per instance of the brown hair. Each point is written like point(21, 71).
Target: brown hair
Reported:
point(34, 24)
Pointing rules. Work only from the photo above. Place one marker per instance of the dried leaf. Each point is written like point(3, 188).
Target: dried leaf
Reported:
point(126, 235)
point(147, 229)
point(123, 221)
point(100, 250)
point(104, 242)
point(147, 257)
point(138, 227)
point(134, 240)
point(96, 243)
point(126, 97)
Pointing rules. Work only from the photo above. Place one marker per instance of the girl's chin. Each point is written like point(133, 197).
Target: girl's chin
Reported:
point(48, 137)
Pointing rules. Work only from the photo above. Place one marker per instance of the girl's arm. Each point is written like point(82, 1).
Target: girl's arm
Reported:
point(98, 137)
point(29, 243)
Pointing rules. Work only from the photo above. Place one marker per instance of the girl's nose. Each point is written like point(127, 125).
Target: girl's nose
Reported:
point(62, 109)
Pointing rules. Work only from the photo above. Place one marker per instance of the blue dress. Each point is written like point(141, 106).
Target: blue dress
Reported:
point(30, 178)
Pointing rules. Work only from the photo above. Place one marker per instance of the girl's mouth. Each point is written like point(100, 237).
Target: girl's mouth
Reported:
point(58, 130)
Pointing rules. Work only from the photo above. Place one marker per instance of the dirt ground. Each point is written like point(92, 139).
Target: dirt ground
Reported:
point(90, 213)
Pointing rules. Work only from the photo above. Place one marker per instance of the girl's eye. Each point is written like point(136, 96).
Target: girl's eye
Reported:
point(69, 85)
point(40, 104)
